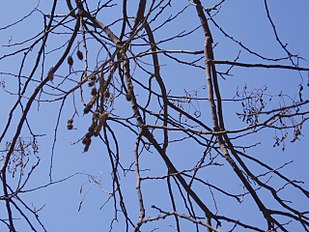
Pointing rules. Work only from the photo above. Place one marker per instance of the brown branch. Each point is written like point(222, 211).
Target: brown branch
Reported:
point(140, 13)
point(217, 117)
point(177, 214)
point(268, 66)
point(159, 80)
point(138, 185)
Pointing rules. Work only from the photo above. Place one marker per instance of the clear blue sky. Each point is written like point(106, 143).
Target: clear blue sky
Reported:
point(246, 20)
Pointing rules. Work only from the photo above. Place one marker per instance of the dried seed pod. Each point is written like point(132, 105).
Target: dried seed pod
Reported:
point(95, 115)
point(104, 116)
point(92, 100)
point(70, 124)
point(70, 60)
point(80, 55)
point(91, 83)
point(107, 94)
point(94, 91)
point(102, 86)
point(90, 104)
point(86, 148)
point(129, 96)
point(297, 133)
point(50, 74)
point(92, 128)
point(86, 141)
point(87, 109)
point(102, 122)
point(88, 135)
point(92, 77)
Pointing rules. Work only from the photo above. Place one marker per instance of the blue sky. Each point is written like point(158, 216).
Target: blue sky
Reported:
point(77, 203)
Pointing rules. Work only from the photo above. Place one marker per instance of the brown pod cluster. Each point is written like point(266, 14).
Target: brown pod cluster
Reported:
point(99, 95)
point(87, 138)
point(102, 120)
point(98, 120)
point(90, 104)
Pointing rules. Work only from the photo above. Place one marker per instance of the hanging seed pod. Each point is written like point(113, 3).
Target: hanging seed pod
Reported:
point(300, 93)
point(87, 109)
point(95, 115)
point(297, 132)
point(92, 128)
point(70, 124)
point(94, 91)
point(92, 79)
point(107, 94)
point(86, 148)
point(88, 135)
point(50, 74)
point(90, 104)
point(80, 55)
point(70, 60)
point(102, 86)
point(86, 141)
point(104, 116)
point(102, 122)
point(91, 83)
point(128, 96)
